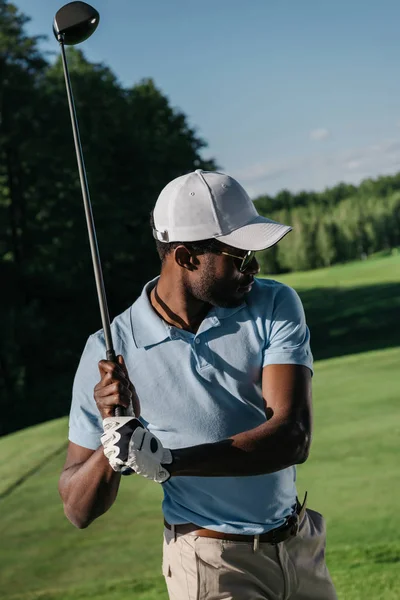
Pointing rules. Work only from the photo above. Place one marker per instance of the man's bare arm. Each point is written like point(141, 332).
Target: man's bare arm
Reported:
point(88, 485)
point(282, 441)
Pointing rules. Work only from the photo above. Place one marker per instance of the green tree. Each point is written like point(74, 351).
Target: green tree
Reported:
point(324, 242)
point(21, 69)
point(133, 142)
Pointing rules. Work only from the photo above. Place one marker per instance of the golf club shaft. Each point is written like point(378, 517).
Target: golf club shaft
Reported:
point(94, 249)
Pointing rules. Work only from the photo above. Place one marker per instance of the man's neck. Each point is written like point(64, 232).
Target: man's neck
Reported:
point(176, 307)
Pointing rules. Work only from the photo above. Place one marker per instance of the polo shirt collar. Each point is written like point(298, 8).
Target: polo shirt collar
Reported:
point(215, 316)
point(224, 313)
point(147, 328)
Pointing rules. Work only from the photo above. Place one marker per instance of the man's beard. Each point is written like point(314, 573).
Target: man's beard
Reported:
point(219, 293)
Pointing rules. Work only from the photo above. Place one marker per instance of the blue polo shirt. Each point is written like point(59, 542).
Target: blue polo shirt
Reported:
point(201, 388)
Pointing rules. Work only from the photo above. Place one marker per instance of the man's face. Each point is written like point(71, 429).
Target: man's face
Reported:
point(217, 279)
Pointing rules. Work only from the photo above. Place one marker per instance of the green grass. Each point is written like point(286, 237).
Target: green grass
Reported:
point(351, 308)
point(352, 473)
point(40, 443)
point(375, 270)
point(351, 476)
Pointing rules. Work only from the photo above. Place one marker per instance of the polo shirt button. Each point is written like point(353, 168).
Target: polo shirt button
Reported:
point(197, 340)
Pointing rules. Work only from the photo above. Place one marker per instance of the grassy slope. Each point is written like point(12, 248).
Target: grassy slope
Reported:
point(351, 308)
point(351, 476)
point(374, 271)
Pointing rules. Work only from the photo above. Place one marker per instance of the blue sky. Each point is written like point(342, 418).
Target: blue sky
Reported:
point(297, 94)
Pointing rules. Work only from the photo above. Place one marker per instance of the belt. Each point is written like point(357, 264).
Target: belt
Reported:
point(275, 536)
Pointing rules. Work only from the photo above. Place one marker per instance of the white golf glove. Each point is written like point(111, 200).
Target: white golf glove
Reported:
point(147, 456)
point(130, 447)
point(115, 439)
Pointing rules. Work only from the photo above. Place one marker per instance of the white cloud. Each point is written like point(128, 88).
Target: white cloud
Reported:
point(353, 164)
point(320, 134)
point(268, 170)
point(319, 170)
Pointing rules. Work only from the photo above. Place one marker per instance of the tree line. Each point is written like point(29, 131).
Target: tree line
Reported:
point(337, 225)
point(134, 142)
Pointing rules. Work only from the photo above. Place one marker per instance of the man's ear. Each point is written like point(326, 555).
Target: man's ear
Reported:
point(185, 258)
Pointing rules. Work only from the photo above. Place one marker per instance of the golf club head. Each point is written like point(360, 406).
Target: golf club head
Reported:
point(75, 22)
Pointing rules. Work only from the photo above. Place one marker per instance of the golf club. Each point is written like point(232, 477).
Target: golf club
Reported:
point(74, 23)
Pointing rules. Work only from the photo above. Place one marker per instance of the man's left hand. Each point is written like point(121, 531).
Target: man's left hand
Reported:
point(147, 456)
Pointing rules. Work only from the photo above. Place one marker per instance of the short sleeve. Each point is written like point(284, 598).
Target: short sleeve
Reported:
point(288, 341)
point(85, 423)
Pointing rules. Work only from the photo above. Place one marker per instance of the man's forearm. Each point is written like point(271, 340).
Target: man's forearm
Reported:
point(265, 449)
point(88, 489)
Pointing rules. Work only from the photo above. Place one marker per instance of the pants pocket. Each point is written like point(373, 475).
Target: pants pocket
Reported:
point(179, 567)
point(317, 523)
point(165, 566)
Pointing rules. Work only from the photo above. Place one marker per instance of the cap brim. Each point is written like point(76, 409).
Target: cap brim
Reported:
point(259, 234)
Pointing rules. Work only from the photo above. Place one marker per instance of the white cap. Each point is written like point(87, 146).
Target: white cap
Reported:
point(207, 204)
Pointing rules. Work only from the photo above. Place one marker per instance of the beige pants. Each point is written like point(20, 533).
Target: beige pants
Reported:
point(198, 568)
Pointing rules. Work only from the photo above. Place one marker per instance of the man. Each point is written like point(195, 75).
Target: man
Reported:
point(218, 365)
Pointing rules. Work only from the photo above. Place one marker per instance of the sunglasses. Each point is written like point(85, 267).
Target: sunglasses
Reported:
point(244, 260)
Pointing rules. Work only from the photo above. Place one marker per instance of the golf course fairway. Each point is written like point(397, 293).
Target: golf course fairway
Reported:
point(352, 475)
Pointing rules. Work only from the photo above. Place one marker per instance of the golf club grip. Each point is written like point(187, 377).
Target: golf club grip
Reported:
point(119, 410)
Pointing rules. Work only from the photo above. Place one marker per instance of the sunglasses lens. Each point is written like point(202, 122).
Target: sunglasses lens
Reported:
point(247, 260)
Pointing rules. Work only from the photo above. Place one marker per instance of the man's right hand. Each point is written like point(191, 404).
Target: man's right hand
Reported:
point(115, 389)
